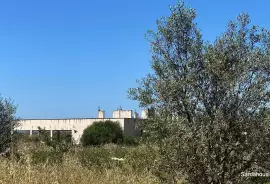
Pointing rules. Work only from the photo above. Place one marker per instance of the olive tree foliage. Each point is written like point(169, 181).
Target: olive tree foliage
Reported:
point(8, 122)
point(210, 99)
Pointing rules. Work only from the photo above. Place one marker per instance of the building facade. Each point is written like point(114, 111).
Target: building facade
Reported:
point(76, 126)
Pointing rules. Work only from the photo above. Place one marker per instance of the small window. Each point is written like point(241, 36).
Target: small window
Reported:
point(63, 134)
point(23, 132)
point(35, 132)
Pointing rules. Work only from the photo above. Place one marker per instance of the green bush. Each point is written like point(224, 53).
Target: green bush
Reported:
point(100, 133)
point(50, 157)
point(27, 138)
point(130, 141)
point(61, 142)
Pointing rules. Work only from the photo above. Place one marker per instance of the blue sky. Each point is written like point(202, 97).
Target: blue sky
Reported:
point(63, 58)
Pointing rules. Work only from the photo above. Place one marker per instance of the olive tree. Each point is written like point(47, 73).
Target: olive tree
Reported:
point(8, 123)
point(211, 99)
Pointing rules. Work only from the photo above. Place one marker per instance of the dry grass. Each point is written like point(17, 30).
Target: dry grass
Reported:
point(70, 171)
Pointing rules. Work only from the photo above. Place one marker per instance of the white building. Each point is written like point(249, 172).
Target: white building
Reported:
point(76, 126)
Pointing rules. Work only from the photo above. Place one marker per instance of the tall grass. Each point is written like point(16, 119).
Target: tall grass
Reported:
point(69, 172)
point(79, 165)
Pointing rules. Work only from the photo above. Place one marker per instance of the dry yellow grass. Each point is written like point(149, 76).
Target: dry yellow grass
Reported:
point(69, 172)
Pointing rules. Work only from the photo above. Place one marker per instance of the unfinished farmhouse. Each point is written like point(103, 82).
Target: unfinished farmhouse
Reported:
point(75, 126)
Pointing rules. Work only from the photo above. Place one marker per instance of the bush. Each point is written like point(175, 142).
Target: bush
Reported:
point(61, 142)
point(130, 141)
point(50, 157)
point(27, 138)
point(102, 133)
point(8, 122)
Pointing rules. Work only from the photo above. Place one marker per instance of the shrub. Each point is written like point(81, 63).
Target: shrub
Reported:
point(101, 133)
point(8, 122)
point(130, 141)
point(50, 157)
point(27, 138)
point(59, 142)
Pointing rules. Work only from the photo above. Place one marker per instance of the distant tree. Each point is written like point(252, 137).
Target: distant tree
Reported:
point(210, 99)
point(102, 132)
point(8, 122)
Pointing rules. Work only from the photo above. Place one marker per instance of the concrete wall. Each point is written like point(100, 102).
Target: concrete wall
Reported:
point(132, 127)
point(75, 125)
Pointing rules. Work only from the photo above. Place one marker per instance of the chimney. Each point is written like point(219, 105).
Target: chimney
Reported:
point(101, 114)
point(122, 114)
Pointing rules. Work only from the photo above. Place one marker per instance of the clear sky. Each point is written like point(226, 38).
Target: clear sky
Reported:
point(63, 58)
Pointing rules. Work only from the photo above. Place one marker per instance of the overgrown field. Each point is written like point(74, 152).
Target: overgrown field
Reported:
point(37, 163)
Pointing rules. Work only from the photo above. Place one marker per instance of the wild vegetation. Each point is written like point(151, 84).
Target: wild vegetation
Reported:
point(208, 119)
point(35, 162)
point(8, 122)
point(42, 159)
point(211, 100)
point(101, 133)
